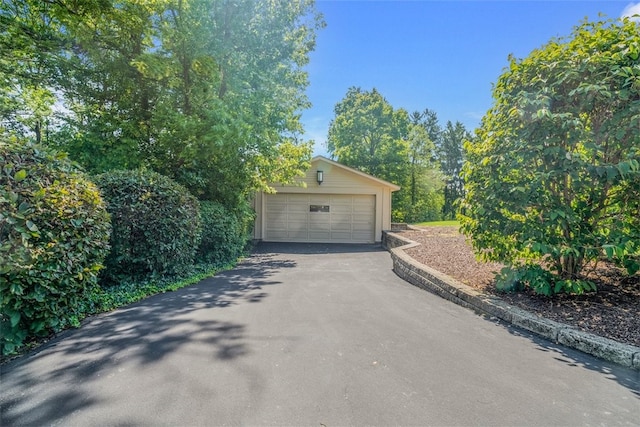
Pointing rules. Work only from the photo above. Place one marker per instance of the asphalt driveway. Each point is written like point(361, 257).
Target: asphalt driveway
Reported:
point(310, 335)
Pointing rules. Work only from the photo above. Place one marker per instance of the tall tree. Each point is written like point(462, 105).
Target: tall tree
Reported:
point(451, 160)
point(110, 101)
point(209, 93)
point(31, 40)
point(428, 119)
point(368, 134)
point(423, 195)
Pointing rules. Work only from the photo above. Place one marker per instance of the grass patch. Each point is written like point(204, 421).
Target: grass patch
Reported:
point(451, 223)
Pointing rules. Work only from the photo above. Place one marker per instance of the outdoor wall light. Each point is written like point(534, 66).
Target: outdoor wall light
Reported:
point(320, 177)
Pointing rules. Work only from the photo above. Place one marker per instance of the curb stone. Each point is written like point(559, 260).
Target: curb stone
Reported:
point(450, 289)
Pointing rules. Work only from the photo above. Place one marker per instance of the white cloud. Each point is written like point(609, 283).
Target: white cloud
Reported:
point(630, 10)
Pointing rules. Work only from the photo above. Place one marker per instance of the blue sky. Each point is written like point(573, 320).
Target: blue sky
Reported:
point(441, 55)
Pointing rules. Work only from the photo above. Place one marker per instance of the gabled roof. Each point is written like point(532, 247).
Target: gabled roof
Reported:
point(393, 187)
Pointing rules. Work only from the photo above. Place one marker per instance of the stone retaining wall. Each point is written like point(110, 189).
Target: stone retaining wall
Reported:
point(448, 288)
point(399, 226)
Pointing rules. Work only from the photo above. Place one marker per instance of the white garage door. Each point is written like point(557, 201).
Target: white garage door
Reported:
point(342, 218)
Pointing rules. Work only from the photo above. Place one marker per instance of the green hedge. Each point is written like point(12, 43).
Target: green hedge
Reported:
point(156, 226)
point(224, 234)
point(54, 234)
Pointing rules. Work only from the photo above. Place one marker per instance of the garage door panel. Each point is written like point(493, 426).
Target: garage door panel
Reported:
point(341, 222)
point(276, 216)
point(297, 227)
point(361, 227)
point(341, 235)
point(319, 236)
point(362, 219)
point(296, 198)
point(341, 209)
point(316, 224)
point(364, 216)
point(344, 198)
point(277, 210)
point(340, 218)
point(297, 217)
point(278, 234)
point(341, 227)
point(273, 217)
point(298, 209)
point(277, 221)
point(362, 210)
point(300, 235)
point(363, 198)
point(342, 206)
point(361, 236)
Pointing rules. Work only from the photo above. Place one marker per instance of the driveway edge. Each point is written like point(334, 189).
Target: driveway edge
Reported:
point(450, 289)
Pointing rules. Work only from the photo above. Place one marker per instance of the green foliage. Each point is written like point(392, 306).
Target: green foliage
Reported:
point(156, 226)
point(446, 223)
point(422, 199)
point(202, 92)
point(36, 46)
point(427, 208)
point(543, 282)
point(512, 279)
point(451, 160)
point(553, 174)
point(224, 234)
point(54, 234)
point(125, 293)
point(206, 93)
point(369, 135)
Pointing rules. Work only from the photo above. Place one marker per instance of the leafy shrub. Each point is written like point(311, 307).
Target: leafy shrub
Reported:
point(156, 226)
point(553, 175)
point(224, 234)
point(54, 234)
point(247, 216)
point(427, 209)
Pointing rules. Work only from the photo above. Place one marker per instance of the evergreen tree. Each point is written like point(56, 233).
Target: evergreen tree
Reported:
point(451, 160)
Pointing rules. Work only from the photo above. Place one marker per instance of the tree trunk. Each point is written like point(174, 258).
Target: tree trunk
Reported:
point(38, 131)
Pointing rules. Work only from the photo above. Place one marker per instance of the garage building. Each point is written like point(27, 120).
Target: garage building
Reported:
point(332, 203)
